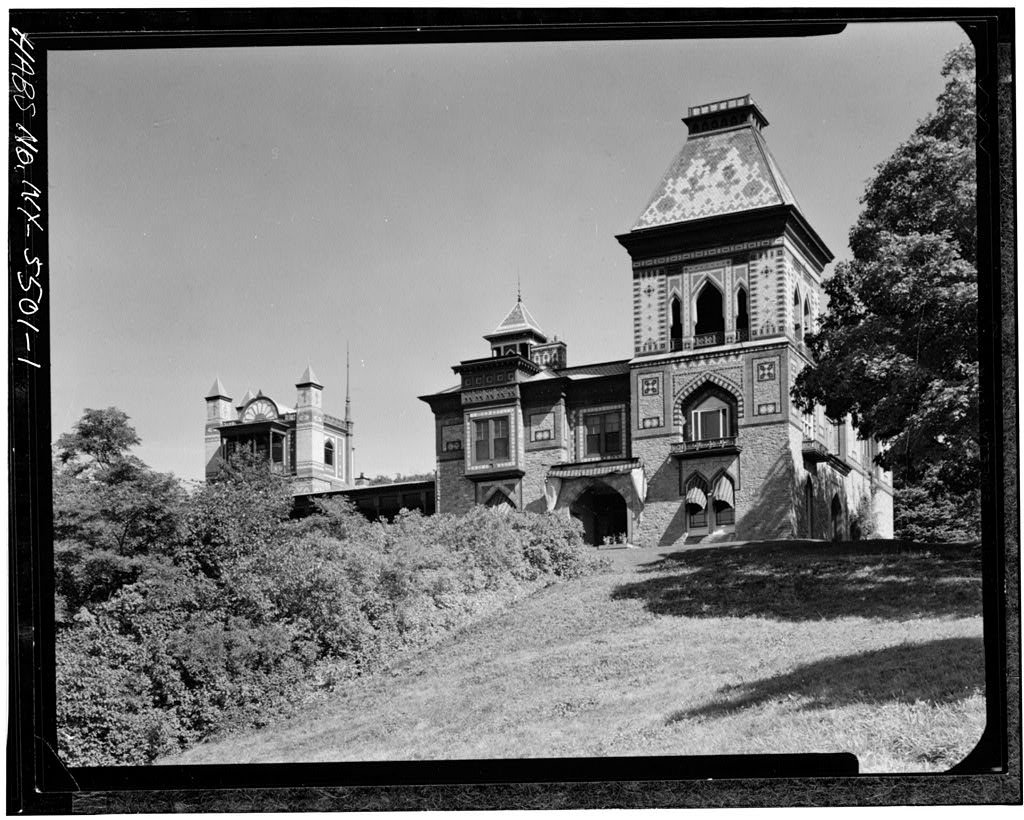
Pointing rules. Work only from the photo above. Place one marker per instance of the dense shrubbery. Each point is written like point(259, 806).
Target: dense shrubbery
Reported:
point(183, 617)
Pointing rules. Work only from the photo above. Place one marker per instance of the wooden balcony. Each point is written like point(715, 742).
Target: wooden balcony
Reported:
point(725, 445)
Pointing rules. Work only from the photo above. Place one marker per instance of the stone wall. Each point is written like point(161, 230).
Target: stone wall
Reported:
point(537, 464)
point(764, 495)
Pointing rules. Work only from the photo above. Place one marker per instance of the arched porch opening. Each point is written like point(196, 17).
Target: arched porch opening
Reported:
point(603, 512)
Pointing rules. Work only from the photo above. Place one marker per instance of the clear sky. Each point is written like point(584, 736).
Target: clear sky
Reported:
point(241, 212)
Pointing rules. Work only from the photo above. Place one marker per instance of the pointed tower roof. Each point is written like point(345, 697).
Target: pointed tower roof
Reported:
point(724, 167)
point(308, 377)
point(218, 390)
point(248, 397)
point(517, 322)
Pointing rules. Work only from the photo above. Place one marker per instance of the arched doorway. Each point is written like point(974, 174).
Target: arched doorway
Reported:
point(837, 519)
point(603, 512)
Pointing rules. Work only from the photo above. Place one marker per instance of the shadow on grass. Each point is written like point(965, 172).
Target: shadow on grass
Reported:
point(940, 671)
point(801, 581)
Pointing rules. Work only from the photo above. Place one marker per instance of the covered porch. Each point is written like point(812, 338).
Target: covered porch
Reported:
point(607, 496)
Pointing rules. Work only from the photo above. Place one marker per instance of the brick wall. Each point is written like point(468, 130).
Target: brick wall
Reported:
point(455, 494)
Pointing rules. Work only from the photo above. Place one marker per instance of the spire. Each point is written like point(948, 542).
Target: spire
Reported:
point(218, 390)
point(348, 398)
point(519, 289)
point(308, 377)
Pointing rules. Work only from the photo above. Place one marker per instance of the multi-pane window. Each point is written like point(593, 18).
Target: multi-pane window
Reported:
point(604, 434)
point(808, 425)
point(710, 424)
point(491, 439)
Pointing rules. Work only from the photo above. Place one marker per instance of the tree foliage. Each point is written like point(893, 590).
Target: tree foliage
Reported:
point(184, 616)
point(898, 346)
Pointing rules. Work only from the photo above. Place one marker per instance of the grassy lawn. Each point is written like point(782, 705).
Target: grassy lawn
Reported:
point(785, 647)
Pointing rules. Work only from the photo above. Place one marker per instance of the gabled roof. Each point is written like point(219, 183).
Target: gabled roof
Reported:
point(518, 320)
point(722, 172)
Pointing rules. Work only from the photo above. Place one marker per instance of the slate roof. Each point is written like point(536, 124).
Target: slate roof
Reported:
point(517, 320)
point(721, 172)
point(596, 370)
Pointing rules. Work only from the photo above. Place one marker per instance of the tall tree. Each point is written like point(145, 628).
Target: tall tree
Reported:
point(898, 347)
point(113, 517)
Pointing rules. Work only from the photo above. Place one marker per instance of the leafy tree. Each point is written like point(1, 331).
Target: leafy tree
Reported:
point(898, 347)
point(103, 435)
point(114, 518)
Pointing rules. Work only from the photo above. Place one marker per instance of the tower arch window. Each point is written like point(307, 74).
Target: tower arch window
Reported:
point(329, 453)
point(676, 328)
point(798, 320)
point(808, 324)
point(710, 312)
point(742, 315)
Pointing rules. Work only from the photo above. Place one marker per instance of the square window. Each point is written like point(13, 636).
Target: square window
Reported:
point(603, 434)
point(491, 440)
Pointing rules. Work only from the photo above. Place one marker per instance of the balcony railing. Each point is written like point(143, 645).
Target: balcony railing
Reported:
point(709, 339)
point(707, 446)
point(742, 334)
point(675, 345)
point(814, 450)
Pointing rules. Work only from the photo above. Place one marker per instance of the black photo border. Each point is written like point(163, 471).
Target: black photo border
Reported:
point(37, 780)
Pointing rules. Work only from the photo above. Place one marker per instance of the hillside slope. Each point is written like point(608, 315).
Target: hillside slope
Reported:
point(795, 647)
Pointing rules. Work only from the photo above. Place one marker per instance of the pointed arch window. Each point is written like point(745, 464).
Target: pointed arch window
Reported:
point(696, 493)
point(329, 453)
point(798, 322)
point(808, 326)
point(723, 501)
point(742, 316)
point(710, 327)
point(676, 328)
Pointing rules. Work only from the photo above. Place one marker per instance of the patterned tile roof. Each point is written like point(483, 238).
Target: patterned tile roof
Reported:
point(518, 319)
point(722, 172)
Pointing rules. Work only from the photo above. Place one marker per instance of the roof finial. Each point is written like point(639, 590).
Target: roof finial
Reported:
point(519, 289)
point(348, 398)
